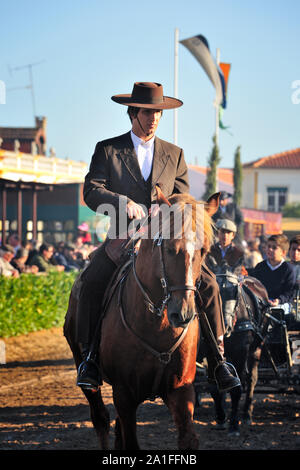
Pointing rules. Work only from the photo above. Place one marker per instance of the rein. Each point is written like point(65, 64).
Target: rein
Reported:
point(163, 357)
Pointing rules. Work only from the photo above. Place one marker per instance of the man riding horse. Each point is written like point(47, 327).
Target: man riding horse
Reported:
point(123, 175)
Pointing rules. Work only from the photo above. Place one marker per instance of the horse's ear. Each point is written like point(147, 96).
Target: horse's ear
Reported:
point(212, 204)
point(160, 197)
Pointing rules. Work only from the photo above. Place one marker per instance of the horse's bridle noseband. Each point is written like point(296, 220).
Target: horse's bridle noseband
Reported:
point(164, 283)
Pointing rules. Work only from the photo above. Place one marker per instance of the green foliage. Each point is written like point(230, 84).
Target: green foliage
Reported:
point(32, 303)
point(237, 177)
point(211, 177)
point(291, 210)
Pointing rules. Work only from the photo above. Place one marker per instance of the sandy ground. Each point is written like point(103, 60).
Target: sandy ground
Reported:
point(42, 409)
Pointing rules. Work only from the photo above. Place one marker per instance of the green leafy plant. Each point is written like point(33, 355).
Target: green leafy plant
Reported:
point(31, 303)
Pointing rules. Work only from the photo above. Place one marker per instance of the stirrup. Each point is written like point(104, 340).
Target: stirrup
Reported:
point(89, 375)
point(230, 378)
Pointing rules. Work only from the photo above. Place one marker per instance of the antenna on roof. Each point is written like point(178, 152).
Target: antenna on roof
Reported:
point(30, 86)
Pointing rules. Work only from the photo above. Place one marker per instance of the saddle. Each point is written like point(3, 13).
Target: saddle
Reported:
point(256, 292)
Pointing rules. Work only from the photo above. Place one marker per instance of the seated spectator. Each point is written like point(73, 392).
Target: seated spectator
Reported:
point(43, 259)
point(65, 256)
point(275, 273)
point(14, 241)
point(31, 246)
point(19, 262)
point(254, 255)
point(6, 255)
point(225, 251)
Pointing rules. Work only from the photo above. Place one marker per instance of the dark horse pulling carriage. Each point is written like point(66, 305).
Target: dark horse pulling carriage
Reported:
point(263, 343)
point(150, 331)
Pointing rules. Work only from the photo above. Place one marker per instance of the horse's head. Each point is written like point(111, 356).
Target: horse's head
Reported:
point(183, 236)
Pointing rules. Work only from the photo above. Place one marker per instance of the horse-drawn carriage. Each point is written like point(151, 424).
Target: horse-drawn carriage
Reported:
point(263, 343)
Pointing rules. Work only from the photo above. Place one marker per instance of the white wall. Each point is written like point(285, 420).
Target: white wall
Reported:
point(269, 177)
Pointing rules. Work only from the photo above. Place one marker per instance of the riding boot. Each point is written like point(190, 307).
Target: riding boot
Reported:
point(221, 372)
point(89, 374)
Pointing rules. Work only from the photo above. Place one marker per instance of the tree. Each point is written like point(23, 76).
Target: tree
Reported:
point(237, 177)
point(211, 176)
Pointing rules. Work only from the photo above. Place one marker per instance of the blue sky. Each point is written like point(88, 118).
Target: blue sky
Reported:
point(94, 49)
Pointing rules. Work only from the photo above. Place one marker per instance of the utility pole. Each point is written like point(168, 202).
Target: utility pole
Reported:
point(176, 82)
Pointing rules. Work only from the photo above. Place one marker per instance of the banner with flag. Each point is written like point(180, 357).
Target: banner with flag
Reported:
point(218, 74)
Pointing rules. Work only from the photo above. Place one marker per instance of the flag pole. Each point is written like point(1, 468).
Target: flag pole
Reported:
point(217, 119)
point(217, 106)
point(175, 80)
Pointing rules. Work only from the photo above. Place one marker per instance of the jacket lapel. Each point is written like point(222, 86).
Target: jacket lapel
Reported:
point(129, 158)
point(160, 160)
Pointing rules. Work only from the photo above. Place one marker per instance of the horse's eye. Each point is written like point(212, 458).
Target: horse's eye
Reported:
point(171, 251)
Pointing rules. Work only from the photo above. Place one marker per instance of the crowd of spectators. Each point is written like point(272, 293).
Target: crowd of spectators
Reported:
point(41, 258)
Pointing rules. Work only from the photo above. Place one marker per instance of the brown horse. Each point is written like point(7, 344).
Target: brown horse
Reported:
point(150, 330)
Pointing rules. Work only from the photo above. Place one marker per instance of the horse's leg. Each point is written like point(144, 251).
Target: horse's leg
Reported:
point(235, 395)
point(126, 422)
point(220, 405)
point(252, 377)
point(181, 405)
point(118, 435)
point(99, 416)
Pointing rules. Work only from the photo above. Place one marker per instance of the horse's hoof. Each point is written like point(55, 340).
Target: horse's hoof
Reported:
point(233, 433)
point(221, 425)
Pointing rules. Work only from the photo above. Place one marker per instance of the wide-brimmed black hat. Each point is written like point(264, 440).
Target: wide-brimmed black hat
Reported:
point(147, 95)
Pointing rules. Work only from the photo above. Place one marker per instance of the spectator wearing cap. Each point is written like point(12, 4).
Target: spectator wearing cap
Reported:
point(229, 210)
point(6, 255)
point(225, 251)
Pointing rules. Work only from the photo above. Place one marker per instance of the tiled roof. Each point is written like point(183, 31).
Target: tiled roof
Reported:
point(224, 174)
point(287, 159)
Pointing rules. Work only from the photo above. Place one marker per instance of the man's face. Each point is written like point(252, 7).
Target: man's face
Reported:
point(225, 237)
point(146, 122)
point(48, 253)
point(295, 252)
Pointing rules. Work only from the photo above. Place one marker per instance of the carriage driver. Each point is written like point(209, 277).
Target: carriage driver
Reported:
point(125, 170)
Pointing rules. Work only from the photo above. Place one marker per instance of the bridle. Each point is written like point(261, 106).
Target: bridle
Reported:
point(163, 357)
point(167, 289)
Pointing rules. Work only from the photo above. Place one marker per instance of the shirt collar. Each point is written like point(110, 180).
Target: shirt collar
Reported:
point(138, 141)
point(274, 267)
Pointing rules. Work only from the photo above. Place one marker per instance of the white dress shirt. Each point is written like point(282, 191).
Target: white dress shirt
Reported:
point(145, 152)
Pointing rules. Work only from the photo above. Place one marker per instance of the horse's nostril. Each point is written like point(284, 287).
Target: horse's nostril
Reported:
point(175, 318)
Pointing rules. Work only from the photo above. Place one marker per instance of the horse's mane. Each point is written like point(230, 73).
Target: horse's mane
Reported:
point(200, 221)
